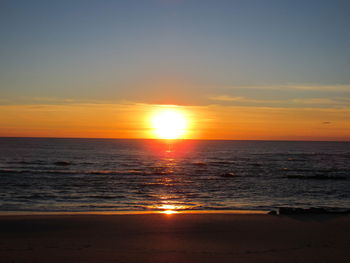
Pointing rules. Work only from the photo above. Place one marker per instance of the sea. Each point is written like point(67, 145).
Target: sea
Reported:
point(111, 175)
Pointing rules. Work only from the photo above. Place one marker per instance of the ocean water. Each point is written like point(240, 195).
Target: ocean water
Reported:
point(40, 174)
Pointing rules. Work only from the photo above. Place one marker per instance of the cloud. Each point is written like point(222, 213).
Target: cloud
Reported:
point(288, 103)
point(319, 87)
point(315, 101)
point(227, 98)
point(311, 87)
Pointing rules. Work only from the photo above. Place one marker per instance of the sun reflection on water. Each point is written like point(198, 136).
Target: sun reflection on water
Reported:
point(169, 212)
point(165, 207)
point(168, 196)
point(168, 209)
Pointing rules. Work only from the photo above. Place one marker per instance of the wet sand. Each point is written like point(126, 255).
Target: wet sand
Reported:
point(174, 238)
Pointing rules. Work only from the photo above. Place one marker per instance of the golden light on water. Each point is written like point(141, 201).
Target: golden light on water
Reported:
point(169, 123)
point(169, 209)
point(169, 212)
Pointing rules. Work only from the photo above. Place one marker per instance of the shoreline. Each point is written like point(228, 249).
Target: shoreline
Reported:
point(126, 212)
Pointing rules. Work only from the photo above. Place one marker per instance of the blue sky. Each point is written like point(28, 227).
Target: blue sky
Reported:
point(268, 53)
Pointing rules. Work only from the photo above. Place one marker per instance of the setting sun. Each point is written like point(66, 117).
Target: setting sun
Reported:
point(169, 124)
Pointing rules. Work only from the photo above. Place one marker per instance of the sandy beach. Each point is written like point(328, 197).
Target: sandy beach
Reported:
point(174, 238)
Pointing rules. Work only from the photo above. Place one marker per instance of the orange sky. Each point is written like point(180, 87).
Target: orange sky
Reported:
point(132, 120)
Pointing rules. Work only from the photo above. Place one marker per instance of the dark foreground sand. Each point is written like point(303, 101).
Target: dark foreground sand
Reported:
point(174, 238)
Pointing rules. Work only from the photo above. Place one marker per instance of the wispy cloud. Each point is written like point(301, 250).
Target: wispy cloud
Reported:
point(311, 87)
point(298, 102)
point(227, 98)
point(325, 101)
point(319, 87)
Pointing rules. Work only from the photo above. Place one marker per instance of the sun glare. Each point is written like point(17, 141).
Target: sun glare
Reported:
point(169, 124)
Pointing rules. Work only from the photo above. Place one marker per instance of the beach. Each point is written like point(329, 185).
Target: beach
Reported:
point(193, 237)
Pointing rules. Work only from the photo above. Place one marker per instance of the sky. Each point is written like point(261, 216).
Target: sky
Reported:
point(273, 69)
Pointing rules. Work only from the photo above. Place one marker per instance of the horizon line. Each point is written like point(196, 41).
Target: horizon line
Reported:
point(156, 139)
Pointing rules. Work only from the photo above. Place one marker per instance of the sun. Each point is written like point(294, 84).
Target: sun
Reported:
point(169, 124)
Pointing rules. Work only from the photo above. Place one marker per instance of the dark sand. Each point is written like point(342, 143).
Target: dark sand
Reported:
point(174, 238)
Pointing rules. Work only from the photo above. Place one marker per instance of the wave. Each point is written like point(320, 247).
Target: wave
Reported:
point(317, 177)
point(73, 172)
point(41, 162)
point(306, 154)
point(228, 175)
point(309, 170)
point(199, 163)
point(62, 163)
point(106, 196)
point(45, 163)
